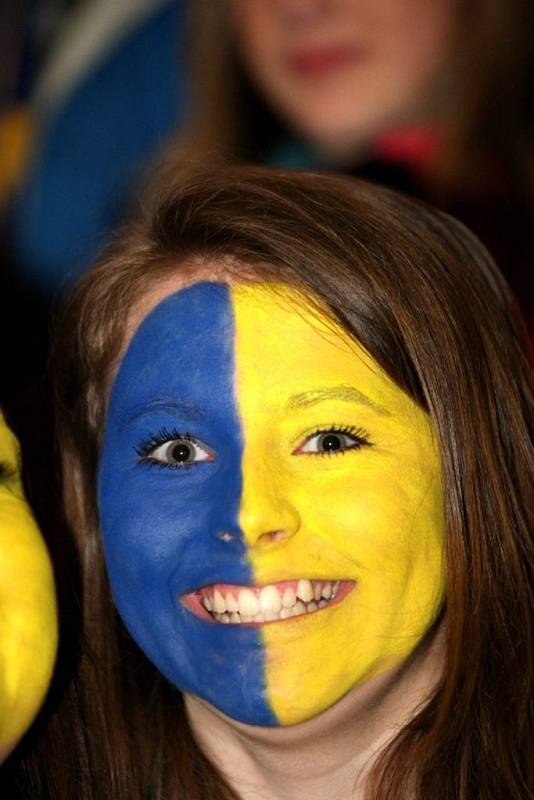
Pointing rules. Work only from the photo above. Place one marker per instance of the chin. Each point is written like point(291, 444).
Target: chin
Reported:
point(340, 136)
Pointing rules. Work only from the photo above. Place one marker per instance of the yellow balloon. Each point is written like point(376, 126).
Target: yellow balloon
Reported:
point(28, 618)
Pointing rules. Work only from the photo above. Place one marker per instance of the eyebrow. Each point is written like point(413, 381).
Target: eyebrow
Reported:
point(348, 394)
point(178, 408)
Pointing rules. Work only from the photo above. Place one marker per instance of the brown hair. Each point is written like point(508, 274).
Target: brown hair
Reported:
point(423, 297)
point(490, 94)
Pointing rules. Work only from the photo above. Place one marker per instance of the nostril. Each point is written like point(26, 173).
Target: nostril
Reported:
point(273, 536)
point(225, 536)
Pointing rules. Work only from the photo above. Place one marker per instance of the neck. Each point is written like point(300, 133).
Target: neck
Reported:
point(328, 756)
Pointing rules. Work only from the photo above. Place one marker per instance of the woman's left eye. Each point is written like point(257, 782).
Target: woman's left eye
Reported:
point(333, 441)
point(181, 451)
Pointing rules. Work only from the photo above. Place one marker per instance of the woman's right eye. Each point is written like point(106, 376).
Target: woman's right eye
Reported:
point(178, 452)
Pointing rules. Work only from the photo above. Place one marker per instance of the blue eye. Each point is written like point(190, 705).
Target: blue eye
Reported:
point(334, 440)
point(175, 450)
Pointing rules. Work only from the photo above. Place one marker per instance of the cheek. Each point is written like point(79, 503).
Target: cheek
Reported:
point(360, 501)
point(255, 34)
point(416, 53)
point(252, 22)
point(381, 519)
point(151, 523)
point(381, 526)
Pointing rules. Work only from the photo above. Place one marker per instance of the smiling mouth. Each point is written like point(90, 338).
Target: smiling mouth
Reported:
point(255, 605)
point(323, 60)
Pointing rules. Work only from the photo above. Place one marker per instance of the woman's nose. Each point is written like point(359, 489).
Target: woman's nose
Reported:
point(267, 516)
point(303, 12)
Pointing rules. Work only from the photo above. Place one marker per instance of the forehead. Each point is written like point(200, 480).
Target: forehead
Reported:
point(200, 341)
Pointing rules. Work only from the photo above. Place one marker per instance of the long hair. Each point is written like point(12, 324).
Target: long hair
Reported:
point(422, 296)
point(487, 110)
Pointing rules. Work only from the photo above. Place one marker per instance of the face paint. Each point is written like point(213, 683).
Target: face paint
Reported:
point(270, 504)
point(28, 634)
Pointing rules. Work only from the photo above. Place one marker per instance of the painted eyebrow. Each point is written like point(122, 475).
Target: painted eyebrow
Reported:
point(181, 409)
point(347, 393)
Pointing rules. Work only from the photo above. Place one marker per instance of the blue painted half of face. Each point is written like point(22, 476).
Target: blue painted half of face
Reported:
point(161, 525)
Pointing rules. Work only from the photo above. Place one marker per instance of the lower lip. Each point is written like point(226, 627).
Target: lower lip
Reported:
point(192, 601)
point(322, 62)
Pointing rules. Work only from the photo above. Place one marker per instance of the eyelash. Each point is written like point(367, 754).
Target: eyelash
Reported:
point(164, 435)
point(348, 430)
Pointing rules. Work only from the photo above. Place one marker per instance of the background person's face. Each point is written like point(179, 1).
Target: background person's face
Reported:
point(341, 71)
point(270, 504)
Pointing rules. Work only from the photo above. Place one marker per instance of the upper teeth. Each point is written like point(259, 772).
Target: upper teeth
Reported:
point(276, 601)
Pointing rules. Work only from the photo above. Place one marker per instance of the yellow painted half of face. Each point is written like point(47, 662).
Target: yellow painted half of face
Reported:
point(372, 514)
point(28, 627)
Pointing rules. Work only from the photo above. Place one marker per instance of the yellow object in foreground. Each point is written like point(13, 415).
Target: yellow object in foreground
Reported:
point(28, 620)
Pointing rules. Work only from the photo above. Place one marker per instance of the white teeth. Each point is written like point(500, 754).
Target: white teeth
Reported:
point(270, 600)
point(218, 602)
point(299, 608)
point(231, 602)
point(269, 603)
point(248, 603)
point(305, 590)
point(289, 598)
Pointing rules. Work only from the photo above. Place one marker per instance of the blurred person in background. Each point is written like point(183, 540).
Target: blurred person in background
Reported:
point(109, 94)
point(431, 98)
point(28, 32)
point(28, 610)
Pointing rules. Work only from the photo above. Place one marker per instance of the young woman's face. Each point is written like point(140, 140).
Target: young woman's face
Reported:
point(270, 504)
point(340, 71)
point(28, 634)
